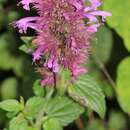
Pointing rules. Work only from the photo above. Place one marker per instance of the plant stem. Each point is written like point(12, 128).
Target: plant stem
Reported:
point(101, 66)
point(39, 119)
point(79, 124)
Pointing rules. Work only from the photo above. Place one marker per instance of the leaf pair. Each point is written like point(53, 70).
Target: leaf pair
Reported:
point(58, 111)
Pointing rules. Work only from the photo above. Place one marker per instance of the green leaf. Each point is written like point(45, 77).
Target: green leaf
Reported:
point(18, 66)
point(63, 109)
point(106, 87)
point(28, 44)
point(3, 42)
point(11, 114)
point(123, 84)
point(95, 124)
point(88, 93)
point(104, 41)
point(5, 129)
point(31, 128)
point(10, 105)
point(3, 19)
point(33, 106)
point(18, 123)
point(9, 88)
point(2, 117)
point(27, 40)
point(3, 1)
point(117, 121)
point(38, 89)
point(96, 73)
point(52, 124)
point(120, 18)
point(13, 15)
point(6, 60)
point(24, 48)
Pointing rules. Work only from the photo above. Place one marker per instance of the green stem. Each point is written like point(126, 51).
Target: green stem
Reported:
point(39, 119)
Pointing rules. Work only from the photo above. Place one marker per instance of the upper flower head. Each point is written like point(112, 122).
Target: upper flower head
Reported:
point(64, 29)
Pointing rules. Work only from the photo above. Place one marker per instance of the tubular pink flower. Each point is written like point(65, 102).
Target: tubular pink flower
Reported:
point(63, 37)
point(28, 22)
point(38, 53)
point(103, 14)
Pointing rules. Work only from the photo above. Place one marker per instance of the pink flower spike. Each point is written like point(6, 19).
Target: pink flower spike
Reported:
point(64, 31)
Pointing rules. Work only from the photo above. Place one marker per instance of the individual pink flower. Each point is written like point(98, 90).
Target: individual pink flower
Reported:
point(63, 37)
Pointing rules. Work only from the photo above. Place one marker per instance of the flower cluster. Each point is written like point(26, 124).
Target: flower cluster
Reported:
point(64, 30)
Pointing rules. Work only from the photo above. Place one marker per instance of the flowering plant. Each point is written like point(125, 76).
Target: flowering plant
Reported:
point(64, 32)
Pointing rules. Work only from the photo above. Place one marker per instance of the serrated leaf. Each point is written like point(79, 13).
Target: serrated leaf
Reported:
point(33, 106)
point(120, 18)
point(38, 89)
point(86, 91)
point(18, 123)
point(64, 109)
point(52, 124)
point(11, 114)
point(104, 41)
point(123, 84)
point(10, 105)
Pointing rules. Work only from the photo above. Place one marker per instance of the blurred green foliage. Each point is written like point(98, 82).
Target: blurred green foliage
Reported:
point(108, 55)
point(9, 88)
point(120, 19)
point(16, 72)
point(123, 84)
